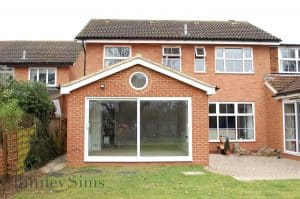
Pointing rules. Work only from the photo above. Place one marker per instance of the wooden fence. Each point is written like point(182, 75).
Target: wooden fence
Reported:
point(58, 131)
point(16, 146)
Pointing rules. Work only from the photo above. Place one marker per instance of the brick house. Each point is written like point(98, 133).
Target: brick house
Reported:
point(164, 91)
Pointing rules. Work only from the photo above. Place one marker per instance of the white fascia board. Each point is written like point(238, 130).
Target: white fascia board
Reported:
point(66, 89)
point(274, 91)
point(182, 42)
point(287, 96)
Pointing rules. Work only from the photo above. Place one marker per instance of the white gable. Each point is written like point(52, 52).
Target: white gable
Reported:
point(137, 60)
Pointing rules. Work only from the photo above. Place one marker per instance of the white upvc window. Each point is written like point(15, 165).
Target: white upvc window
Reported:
point(6, 73)
point(172, 57)
point(234, 60)
point(115, 54)
point(291, 115)
point(234, 120)
point(47, 76)
point(289, 60)
point(200, 59)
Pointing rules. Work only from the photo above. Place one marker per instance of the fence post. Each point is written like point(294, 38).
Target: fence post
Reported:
point(5, 154)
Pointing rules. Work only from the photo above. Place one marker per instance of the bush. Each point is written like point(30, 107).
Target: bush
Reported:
point(31, 98)
point(34, 99)
point(42, 147)
point(10, 115)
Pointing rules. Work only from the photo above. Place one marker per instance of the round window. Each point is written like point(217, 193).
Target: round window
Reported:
point(138, 80)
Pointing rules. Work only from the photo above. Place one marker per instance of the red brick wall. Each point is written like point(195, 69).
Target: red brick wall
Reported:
point(274, 60)
point(77, 70)
point(233, 87)
point(274, 121)
point(118, 85)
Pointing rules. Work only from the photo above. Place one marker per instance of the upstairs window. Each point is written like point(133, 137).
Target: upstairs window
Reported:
point(200, 59)
point(44, 75)
point(289, 60)
point(234, 60)
point(6, 73)
point(115, 54)
point(171, 57)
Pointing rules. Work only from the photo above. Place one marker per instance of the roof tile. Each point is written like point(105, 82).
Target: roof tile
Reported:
point(39, 52)
point(173, 30)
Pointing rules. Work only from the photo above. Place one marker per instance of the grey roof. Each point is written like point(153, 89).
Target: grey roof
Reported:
point(284, 84)
point(39, 52)
point(174, 30)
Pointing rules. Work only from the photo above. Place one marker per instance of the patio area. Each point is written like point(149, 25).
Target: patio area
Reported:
point(248, 168)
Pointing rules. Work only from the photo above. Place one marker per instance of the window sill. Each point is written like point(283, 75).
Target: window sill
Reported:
point(138, 159)
point(289, 73)
point(235, 73)
point(200, 72)
point(51, 86)
point(292, 153)
point(218, 141)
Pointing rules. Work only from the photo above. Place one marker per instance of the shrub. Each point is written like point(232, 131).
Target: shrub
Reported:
point(32, 98)
point(227, 145)
point(10, 115)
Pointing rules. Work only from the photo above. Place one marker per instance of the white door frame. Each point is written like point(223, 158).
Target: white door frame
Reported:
point(295, 103)
point(137, 158)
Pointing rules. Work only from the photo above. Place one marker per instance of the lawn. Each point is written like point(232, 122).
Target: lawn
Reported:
point(158, 182)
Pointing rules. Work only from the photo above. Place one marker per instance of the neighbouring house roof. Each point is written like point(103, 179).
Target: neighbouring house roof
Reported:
point(133, 61)
point(283, 84)
point(289, 45)
point(174, 30)
point(54, 93)
point(39, 52)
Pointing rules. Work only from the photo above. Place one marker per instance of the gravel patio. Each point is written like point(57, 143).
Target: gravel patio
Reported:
point(248, 168)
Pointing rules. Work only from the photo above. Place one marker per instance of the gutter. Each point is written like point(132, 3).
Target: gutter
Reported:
point(84, 58)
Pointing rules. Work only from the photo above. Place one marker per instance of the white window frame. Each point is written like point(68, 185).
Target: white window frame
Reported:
point(243, 59)
point(297, 59)
point(137, 158)
point(115, 46)
point(38, 71)
point(135, 88)
point(297, 153)
point(197, 57)
point(166, 55)
point(236, 114)
point(8, 67)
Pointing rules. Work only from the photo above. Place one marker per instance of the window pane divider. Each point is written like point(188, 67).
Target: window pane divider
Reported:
point(297, 130)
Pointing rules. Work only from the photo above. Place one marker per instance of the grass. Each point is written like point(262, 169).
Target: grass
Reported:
point(157, 182)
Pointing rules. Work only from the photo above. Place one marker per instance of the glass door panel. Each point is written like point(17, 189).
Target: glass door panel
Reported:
point(112, 128)
point(164, 128)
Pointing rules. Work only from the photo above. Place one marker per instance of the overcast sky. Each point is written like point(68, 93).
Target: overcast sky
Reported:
point(63, 19)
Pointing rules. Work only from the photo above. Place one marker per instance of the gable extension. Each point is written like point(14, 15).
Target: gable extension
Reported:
point(138, 60)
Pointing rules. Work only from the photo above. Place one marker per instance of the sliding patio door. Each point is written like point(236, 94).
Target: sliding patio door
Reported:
point(138, 129)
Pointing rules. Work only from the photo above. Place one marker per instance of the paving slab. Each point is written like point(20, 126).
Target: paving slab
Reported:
point(55, 165)
point(248, 168)
point(193, 173)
